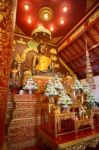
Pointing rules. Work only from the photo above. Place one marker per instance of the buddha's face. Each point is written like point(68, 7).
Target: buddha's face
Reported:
point(42, 49)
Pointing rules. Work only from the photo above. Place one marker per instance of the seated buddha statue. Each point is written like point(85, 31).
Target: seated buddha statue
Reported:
point(41, 63)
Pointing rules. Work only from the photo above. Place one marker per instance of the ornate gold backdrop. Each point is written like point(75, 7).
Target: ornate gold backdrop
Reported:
point(25, 49)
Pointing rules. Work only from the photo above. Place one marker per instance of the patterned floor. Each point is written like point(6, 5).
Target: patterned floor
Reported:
point(38, 148)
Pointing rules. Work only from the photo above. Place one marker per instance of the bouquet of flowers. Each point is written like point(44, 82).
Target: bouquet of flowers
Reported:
point(50, 89)
point(64, 98)
point(77, 85)
point(90, 99)
point(57, 83)
point(30, 85)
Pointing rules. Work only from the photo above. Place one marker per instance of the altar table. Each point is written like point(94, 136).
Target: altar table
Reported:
point(72, 141)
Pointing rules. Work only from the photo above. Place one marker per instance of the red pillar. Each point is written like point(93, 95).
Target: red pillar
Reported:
point(7, 21)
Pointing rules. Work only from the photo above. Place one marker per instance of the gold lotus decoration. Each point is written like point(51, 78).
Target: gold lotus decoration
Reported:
point(41, 34)
point(46, 14)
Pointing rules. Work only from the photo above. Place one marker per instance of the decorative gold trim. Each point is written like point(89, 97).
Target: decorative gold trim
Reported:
point(93, 17)
point(76, 144)
point(77, 32)
point(29, 38)
point(42, 77)
point(31, 47)
point(22, 36)
point(81, 140)
point(54, 58)
point(21, 41)
point(41, 34)
point(53, 51)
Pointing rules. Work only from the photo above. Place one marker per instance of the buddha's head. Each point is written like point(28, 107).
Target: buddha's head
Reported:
point(41, 48)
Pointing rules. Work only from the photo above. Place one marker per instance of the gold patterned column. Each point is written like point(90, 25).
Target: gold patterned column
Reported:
point(7, 23)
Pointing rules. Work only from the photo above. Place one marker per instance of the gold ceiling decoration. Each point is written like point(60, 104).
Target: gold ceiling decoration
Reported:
point(41, 34)
point(46, 13)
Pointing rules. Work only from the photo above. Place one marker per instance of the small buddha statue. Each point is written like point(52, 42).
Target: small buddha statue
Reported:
point(15, 83)
point(14, 71)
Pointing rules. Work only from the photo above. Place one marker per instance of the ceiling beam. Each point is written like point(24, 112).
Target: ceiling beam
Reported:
point(84, 66)
point(72, 51)
point(91, 37)
point(82, 53)
point(64, 58)
point(75, 47)
point(96, 28)
point(67, 55)
point(79, 45)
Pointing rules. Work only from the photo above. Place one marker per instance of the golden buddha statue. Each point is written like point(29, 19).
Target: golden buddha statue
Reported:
point(41, 63)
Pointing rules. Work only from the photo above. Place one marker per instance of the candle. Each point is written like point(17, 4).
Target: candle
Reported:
point(82, 99)
point(86, 116)
point(74, 95)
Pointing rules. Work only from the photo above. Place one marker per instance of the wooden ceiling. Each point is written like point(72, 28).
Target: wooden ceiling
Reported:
point(74, 53)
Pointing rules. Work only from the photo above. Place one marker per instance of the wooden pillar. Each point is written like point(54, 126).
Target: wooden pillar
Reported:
point(7, 23)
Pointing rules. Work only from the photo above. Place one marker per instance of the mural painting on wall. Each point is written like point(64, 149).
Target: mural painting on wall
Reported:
point(25, 50)
point(6, 30)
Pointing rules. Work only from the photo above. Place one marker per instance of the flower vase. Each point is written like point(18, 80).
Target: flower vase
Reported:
point(64, 108)
point(30, 91)
point(21, 92)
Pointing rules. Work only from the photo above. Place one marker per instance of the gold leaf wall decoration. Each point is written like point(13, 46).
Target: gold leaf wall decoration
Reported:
point(21, 59)
point(53, 51)
point(33, 45)
point(21, 41)
point(54, 58)
point(56, 65)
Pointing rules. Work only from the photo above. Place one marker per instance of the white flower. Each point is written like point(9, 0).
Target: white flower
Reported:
point(30, 84)
point(50, 89)
point(77, 85)
point(57, 83)
point(64, 98)
point(88, 92)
